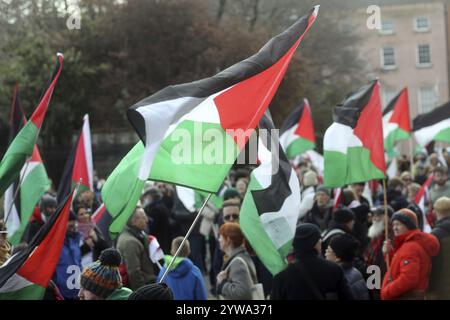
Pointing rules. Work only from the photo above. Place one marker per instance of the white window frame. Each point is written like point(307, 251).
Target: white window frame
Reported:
point(426, 64)
point(419, 94)
point(387, 67)
point(416, 27)
point(387, 32)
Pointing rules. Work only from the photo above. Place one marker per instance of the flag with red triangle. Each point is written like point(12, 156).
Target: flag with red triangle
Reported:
point(353, 144)
point(21, 148)
point(396, 121)
point(33, 181)
point(192, 133)
point(79, 166)
point(297, 132)
point(26, 275)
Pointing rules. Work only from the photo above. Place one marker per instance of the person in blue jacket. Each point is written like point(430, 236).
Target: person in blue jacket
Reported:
point(184, 278)
point(69, 266)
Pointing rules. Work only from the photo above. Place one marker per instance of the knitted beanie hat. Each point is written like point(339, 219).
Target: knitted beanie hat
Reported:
point(103, 276)
point(407, 217)
point(154, 291)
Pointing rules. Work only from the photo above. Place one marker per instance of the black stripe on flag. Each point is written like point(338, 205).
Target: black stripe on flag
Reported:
point(349, 110)
point(428, 119)
point(392, 104)
point(65, 184)
point(293, 118)
point(273, 51)
point(271, 199)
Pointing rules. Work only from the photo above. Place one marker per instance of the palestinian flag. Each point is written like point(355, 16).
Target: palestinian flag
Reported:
point(396, 121)
point(79, 165)
point(433, 126)
point(269, 211)
point(102, 220)
point(421, 198)
point(33, 182)
point(23, 144)
point(26, 275)
point(353, 144)
point(297, 132)
point(192, 133)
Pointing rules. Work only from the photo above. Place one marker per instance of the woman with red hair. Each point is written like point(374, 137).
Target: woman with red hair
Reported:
point(238, 275)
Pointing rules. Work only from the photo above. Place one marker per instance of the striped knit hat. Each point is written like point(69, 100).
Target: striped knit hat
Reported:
point(103, 277)
point(407, 217)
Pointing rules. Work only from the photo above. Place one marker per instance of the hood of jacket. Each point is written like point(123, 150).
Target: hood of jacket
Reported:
point(180, 267)
point(428, 242)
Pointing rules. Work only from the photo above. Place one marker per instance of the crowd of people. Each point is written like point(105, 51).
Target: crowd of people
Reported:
point(340, 238)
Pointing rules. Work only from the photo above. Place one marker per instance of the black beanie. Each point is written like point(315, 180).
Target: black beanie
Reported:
point(306, 237)
point(154, 291)
point(344, 247)
point(343, 216)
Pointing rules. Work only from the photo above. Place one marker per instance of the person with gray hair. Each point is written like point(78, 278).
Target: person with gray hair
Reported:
point(133, 245)
point(47, 207)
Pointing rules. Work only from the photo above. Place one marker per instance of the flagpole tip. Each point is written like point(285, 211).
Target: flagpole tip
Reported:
point(316, 10)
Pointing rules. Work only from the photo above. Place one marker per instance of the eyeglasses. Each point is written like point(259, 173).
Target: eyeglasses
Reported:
point(231, 217)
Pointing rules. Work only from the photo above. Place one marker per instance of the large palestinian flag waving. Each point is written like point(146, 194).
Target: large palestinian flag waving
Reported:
point(353, 144)
point(433, 126)
point(192, 133)
point(23, 144)
point(297, 132)
point(79, 166)
point(269, 211)
point(396, 121)
point(33, 182)
point(27, 273)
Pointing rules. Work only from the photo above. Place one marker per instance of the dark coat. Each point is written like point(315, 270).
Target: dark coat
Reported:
point(356, 282)
point(33, 226)
point(319, 218)
point(100, 245)
point(440, 275)
point(361, 226)
point(327, 276)
point(158, 223)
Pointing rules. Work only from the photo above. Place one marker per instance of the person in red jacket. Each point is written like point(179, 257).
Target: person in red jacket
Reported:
point(410, 257)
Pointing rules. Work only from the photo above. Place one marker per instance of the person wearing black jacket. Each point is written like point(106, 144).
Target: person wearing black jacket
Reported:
point(439, 288)
point(47, 207)
point(158, 217)
point(309, 276)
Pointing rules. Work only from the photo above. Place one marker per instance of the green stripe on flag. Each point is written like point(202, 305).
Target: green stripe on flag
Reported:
point(298, 147)
point(34, 185)
point(192, 152)
point(392, 138)
point(254, 232)
point(123, 189)
point(31, 292)
point(356, 166)
point(16, 155)
point(443, 135)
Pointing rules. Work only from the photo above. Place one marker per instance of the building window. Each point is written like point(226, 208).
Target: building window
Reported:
point(388, 58)
point(387, 27)
point(428, 99)
point(421, 24)
point(423, 55)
